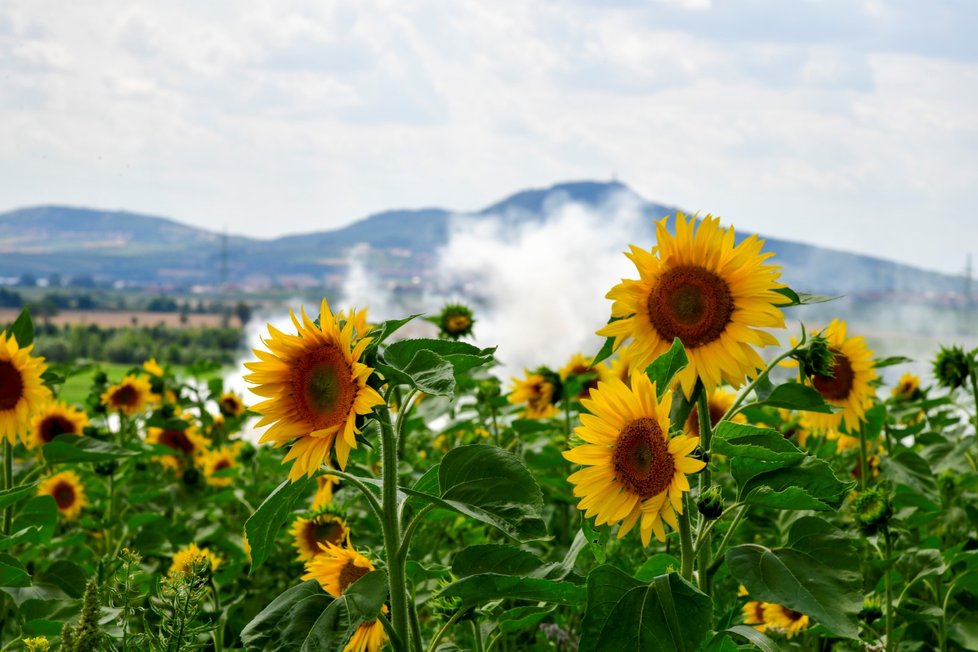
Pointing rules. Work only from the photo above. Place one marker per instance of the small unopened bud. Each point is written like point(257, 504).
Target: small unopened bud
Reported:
point(710, 503)
point(815, 357)
point(871, 510)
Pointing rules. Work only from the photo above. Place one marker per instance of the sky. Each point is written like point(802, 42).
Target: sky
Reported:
point(850, 124)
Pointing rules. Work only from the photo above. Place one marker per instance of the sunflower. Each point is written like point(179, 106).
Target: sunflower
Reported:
point(308, 533)
point(622, 365)
point(850, 386)
point(184, 557)
point(785, 620)
point(719, 402)
point(578, 365)
point(231, 404)
point(325, 486)
point(540, 392)
point(455, 321)
point(55, 418)
point(636, 471)
point(153, 368)
point(908, 388)
point(336, 569)
point(68, 492)
point(130, 396)
point(186, 443)
point(316, 387)
point(212, 461)
point(754, 615)
point(714, 296)
point(21, 390)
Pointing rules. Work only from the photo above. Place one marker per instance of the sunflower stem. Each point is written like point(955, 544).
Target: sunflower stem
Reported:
point(685, 541)
point(703, 533)
point(392, 530)
point(8, 481)
point(736, 407)
point(889, 590)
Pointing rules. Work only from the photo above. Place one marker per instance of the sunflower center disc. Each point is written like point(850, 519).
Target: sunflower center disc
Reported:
point(53, 426)
point(222, 464)
point(177, 440)
point(330, 531)
point(350, 574)
point(11, 385)
point(64, 495)
point(690, 303)
point(323, 386)
point(643, 463)
point(125, 395)
point(837, 386)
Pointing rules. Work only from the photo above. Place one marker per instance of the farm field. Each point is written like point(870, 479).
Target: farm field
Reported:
point(672, 490)
point(123, 318)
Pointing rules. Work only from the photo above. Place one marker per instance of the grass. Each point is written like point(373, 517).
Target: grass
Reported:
point(76, 388)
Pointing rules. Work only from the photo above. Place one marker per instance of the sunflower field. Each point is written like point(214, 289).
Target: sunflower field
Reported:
point(719, 476)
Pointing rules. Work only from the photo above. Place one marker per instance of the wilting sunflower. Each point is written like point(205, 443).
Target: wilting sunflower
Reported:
point(130, 396)
point(21, 390)
point(719, 402)
point(185, 556)
point(850, 385)
point(540, 392)
point(55, 418)
point(186, 443)
point(219, 459)
point(324, 527)
point(908, 388)
point(325, 486)
point(714, 296)
point(635, 470)
point(153, 368)
point(315, 386)
point(336, 569)
point(231, 404)
point(68, 492)
point(785, 620)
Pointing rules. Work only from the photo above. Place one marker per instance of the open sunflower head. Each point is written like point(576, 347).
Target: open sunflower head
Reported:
point(578, 366)
point(908, 388)
point(321, 528)
point(231, 404)
point(753, 612)
point(782, 619)
point(635, 470)
point(185, 442)
point(212, 462)
point(718, 298)
point(55, 418)
point(336, 568)
point(183, 559)
point(22, 392)
point(130, 396)
point(540, 390)
point(851, 384)
point(68, 492)
point(315, 388)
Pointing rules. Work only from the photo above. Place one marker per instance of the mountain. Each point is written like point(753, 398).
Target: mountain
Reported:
point(120, 246)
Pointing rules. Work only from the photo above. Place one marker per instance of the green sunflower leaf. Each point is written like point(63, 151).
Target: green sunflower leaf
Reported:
point(485, 587)
point(12, 572)
point(71, 448)
point(664, 368)
point(623, 613)
point(817, 574)
point(795, 396)
point(801, 298)
point(22, 329)
point(266, 523)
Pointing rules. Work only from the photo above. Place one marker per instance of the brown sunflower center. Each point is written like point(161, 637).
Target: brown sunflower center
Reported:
point(323, 386)
point(221, 464)
point(230, 405)
point(643, 463)
point(177, 440)
point(11, 385)
point(540, 395)
point(64, 495)
point(837, 386)
point(791, 614)
point(324, 531)
point(53, 426)
point(350, 573)
point(125, 395)
point(691, 303)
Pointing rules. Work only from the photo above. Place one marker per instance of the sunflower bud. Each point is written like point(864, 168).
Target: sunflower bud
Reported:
point(872, 510)
point(710, 504)
point(106, 469)
point(814, 357)
point(952, 367)
point(455, 321)
point(872, 609)
point(191, 477)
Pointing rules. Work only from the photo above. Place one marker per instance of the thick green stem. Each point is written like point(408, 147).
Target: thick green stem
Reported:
point(706, 479)
point(477, 634)
point(736, 407)
point(685, 542)
point(444, 628)
point(8, 481)
point(888, 580)
point(392, 530)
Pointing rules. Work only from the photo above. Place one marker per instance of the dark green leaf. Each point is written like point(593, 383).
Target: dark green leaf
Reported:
point(597, 539)
point(521, 618)
point(891, 361)
point(287, 618)
point(494, 558)
point(461, 355)
point(360, 602)
point(11, 496)
point(740, 441)
point(39, 592)
point(426, 371)
point(664, 368)
point(12, 573)
point(385, 329)
point(801, 298)
point(23, 329)
point(266, 523)
point(658, 564)
point(40, 513)
point(68, 576)
point(626, 614)
point(71, 448)
point(479, 589)
point(817, 574)
point(795, 396)
point(759, 640)
point(808, 485)
point(910, 470)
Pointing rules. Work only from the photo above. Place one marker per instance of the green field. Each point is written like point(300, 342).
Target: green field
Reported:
point(76, 387)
